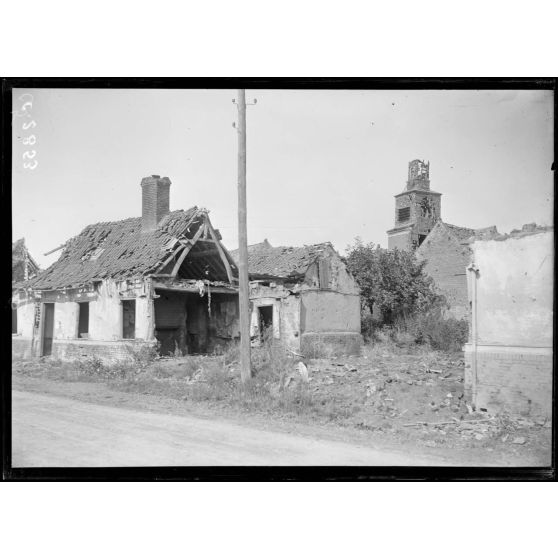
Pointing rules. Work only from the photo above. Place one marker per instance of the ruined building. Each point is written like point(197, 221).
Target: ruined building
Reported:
point(445, 248)
point(163, 279)
point(306, 297)
point(509, 355)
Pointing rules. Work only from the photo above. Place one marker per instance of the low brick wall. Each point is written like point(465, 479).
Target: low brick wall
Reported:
point(22, 347)
point(330, 343)
point(511, 379)
point(109, 351)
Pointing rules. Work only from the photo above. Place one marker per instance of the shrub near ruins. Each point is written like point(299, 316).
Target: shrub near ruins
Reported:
point(398, 294)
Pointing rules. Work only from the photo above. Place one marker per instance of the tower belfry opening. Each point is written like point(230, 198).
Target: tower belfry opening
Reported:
point(417, 209)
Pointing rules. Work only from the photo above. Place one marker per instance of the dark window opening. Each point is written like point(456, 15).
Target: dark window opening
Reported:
point(404, 214)
point(83, 320)
point(14, 320)
point(265, 315)
point(129, 319)
point(421, 239)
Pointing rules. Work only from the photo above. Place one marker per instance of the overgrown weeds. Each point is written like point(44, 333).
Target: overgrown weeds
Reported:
point(429, 330)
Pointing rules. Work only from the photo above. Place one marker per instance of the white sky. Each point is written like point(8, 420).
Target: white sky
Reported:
point(322, 165)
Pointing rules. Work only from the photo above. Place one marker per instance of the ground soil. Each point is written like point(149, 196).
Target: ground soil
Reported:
point(400, 400)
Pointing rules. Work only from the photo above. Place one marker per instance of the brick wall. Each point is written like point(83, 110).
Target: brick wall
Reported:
point(109, 351)
point(155, 200)
point(511, 379)
point(446, 261)
point(330, 344)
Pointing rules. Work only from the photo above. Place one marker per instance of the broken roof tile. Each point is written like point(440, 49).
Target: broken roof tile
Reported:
point(283, 261)
point(126, 250)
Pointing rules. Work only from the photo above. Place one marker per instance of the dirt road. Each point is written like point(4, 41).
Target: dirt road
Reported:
point(49, 431)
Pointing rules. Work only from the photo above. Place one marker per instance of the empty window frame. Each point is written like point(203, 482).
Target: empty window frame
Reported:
point(129, 319)
point(404, 214)
point(83, 320)
point(14, 320)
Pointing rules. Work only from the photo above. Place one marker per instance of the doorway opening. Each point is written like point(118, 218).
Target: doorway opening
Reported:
point(129, 319)
point(83, 320)
point(48, 328)
point(265, 318)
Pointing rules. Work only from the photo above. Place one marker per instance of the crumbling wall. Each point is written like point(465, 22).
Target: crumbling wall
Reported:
point(286, 312)
point(513, 313)
point(224, 321)
point(341, 280)
point(446, 262)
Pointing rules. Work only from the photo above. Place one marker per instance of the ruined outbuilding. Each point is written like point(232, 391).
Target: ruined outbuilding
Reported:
point(163, 279)
point(305, 296)
point(509, 353)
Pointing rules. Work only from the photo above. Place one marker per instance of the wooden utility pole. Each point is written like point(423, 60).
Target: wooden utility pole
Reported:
point(244, 295)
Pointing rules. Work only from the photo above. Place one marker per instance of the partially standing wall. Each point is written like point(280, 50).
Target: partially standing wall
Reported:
point(509, 356)
point(330, 323)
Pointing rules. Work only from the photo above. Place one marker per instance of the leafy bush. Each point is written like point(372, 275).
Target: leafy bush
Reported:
point(391, 281)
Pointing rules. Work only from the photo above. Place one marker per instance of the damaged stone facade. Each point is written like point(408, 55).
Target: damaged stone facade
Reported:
point(510, 351)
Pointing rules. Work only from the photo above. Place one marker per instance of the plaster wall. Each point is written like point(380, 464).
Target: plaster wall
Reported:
point(25, 317)
point(515, 290)
point(105, 314)
point(144, 323)
point(22, 341)
point(514, 317)
point(328, 311)
point(66, 320)
point(289, 309)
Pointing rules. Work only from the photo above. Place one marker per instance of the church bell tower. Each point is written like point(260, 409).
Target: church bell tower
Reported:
point(417, 209)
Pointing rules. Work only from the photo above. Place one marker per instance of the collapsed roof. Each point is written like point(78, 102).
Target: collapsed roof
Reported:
point(282, 262)
point(120, 250)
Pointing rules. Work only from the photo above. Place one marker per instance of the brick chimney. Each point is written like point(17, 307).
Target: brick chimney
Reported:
point(154, 200)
